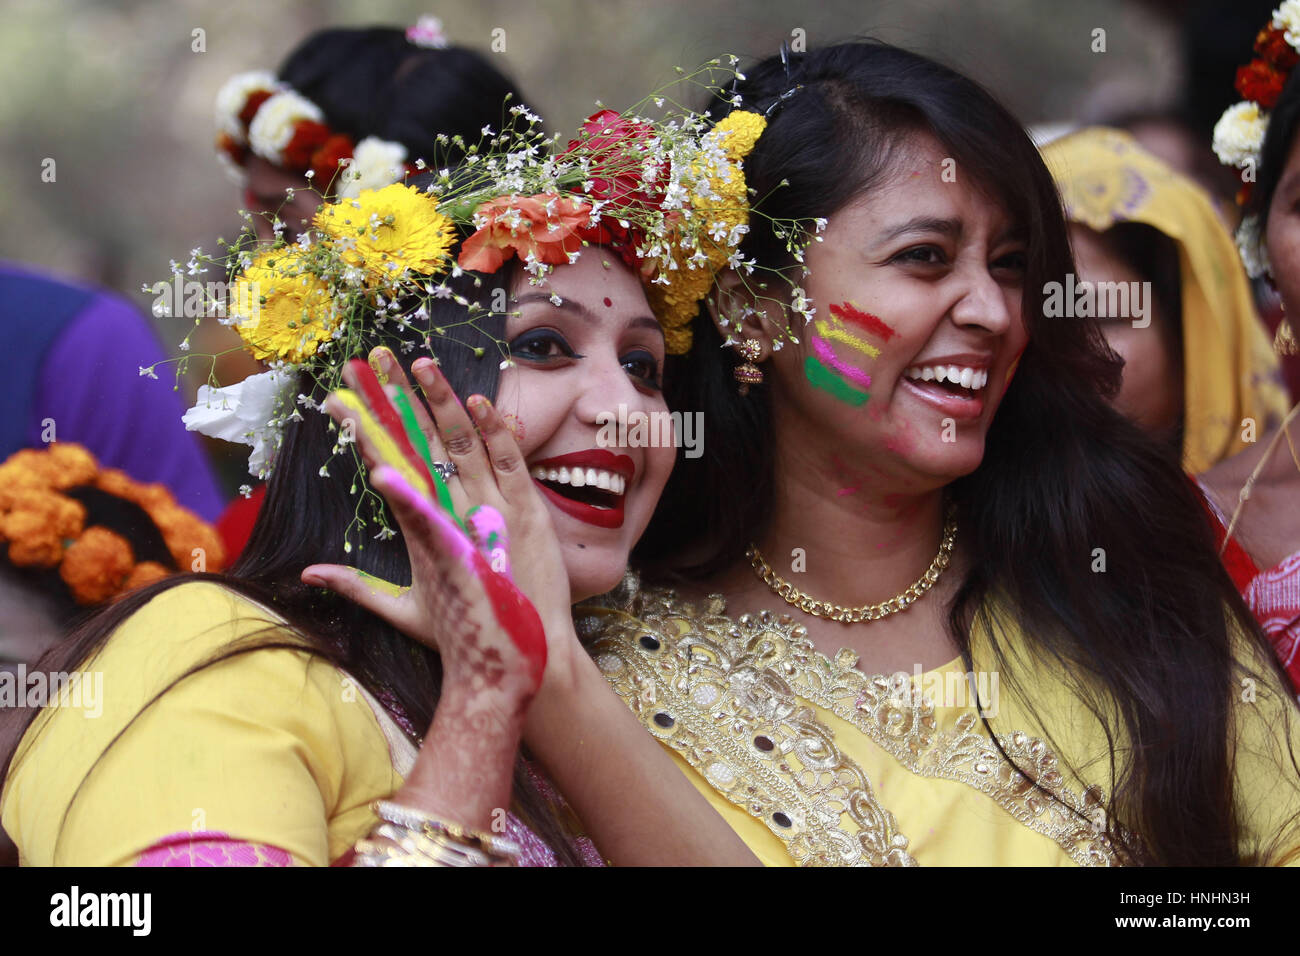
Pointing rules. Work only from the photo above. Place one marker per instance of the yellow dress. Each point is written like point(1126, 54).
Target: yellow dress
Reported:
point(815, 763)
point(275, 750)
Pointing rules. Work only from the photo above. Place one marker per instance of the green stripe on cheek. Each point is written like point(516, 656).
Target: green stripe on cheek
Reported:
point(822, 377)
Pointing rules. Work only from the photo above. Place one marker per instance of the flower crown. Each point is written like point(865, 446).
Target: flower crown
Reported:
point(43, 527)
point(668, 196)
point(258, 113)
point(1239, 134)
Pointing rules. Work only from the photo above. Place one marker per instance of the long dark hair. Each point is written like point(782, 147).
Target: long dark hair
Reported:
point(1146, 645)
point(372, 81)
point(303, 520)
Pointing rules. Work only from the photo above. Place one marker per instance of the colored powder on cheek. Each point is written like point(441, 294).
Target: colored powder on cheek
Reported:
point(515, 424)
point(848, 312)
point(819, 376)
point(828, 357)
point(828, 331)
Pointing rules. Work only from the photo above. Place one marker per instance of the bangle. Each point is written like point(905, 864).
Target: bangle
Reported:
point(416, 839)
point(410, 819)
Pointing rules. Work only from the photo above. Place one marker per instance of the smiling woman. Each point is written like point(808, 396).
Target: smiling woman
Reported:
point(977, 508)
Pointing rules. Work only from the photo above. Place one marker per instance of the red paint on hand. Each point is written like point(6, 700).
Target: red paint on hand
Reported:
point(848, 312)
point(388, 417)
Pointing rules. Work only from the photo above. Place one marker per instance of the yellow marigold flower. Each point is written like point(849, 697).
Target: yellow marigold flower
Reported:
point(292, 310)
point(676, 304)
point(737, 132)
point(390, 229)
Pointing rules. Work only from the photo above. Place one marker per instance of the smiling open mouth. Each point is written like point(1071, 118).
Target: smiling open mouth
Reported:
point(589, 486)
point(956, 380)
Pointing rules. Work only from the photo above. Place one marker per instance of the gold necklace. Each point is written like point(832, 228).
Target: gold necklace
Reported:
point(868, 612)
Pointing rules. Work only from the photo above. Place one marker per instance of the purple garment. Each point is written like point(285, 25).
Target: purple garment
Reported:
point(90, 385)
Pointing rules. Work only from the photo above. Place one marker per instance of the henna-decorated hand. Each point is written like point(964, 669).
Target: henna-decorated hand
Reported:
point(462, 600)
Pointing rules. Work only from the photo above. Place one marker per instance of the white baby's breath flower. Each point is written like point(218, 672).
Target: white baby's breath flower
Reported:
point(1239, 134)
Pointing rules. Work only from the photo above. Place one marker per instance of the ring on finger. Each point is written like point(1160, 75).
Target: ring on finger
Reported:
point(445, 469)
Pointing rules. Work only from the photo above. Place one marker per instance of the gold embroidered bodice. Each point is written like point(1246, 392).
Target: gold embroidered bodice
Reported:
point(749, 704)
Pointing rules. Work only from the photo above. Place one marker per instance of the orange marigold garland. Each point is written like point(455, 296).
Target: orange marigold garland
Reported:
point(43, 528)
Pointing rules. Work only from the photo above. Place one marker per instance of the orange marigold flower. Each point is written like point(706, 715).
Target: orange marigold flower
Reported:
point(545, 227)
point(146, 572)
point(38, 524)
point(96, 565)
point(308, 136)
point(16, 478)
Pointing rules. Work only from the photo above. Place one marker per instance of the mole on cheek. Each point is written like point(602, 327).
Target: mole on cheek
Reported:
point(609, 303)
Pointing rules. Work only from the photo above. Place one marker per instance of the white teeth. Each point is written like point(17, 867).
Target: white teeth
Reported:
point(580, 477)
point(971, 378)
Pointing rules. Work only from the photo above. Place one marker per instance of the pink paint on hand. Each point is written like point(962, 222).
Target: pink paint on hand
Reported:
point(827, 354)
point(514, 612)
point(848, 312)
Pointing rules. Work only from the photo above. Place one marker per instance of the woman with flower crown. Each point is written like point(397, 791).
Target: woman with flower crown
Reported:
point(934, 601)
point(1254, 494)
point(255, 718)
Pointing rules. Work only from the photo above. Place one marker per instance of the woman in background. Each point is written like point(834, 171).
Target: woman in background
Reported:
point(1198, 372)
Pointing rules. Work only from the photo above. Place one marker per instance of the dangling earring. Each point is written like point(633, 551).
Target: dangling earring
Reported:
point(747, 373)
point(1284, 342)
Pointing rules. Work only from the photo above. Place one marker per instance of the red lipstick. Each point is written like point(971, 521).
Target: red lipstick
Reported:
point(601, 460)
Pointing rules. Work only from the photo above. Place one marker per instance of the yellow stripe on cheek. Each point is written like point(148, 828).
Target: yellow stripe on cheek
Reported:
point(381, 442)
point(836, 334)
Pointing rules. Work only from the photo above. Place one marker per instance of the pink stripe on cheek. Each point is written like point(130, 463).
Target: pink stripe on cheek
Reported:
point(827, 354)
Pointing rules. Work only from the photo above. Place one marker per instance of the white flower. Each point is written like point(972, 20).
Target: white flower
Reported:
point(234, 172)
point(234, 94)
point(1239, 134)
point(1287, 19)
point(375, 163)
point(243, 414)
point(1250, 244)
point(272, 127)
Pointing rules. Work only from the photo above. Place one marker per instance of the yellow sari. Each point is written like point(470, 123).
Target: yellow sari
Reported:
point(814, 763)
point(1230, 370)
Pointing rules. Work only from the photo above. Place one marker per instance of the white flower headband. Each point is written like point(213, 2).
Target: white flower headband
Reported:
point(1239, 134)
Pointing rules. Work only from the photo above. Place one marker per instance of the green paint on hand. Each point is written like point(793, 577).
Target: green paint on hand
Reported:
point(421, 445)
point(822, 377)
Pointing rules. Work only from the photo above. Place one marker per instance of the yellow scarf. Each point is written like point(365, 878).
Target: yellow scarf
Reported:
point(1231, 372)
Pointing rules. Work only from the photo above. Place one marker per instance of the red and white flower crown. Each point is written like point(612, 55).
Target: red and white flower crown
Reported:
point(1239, 134)
point(258, 113)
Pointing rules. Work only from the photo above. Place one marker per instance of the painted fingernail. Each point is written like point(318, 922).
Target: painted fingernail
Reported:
point(380, 361)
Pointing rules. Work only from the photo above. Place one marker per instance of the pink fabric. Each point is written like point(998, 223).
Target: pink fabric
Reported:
point(1274, 597)
point(210, 848)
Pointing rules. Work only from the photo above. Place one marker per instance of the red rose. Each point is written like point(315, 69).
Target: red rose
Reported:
point(619, 150)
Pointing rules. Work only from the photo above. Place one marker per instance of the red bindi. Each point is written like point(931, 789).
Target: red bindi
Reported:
point(608, 302)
